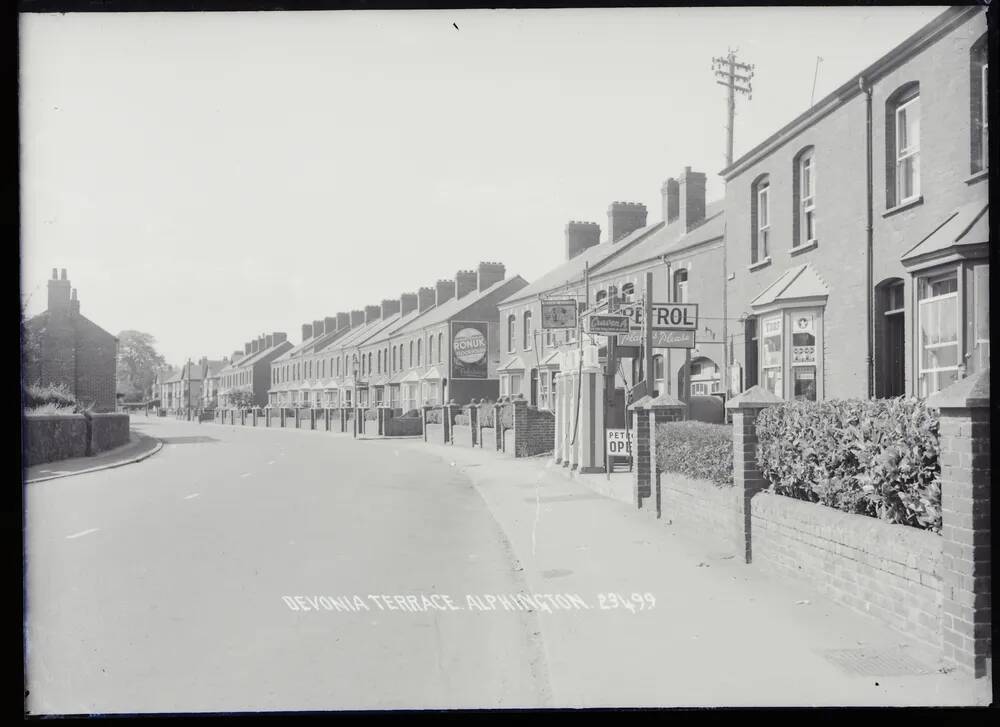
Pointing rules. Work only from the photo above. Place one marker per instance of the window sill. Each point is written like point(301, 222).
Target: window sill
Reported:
point(804, 247)
point(760, 264)
point(978, 176)
point(904, 206)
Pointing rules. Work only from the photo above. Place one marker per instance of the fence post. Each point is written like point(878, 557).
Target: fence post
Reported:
point(497, 424)
point(474, 422)
point(747, 479)
point(519, 418)
point(312, 419)
point(964, 433)
point(447, 412)
point(641, 480)
point(662, 409)
point(254, 418)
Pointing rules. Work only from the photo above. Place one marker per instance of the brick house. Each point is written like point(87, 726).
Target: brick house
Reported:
point(71, 350)
point(801, 223)
point(251, 369)
point(301, 376)
point(684, 252)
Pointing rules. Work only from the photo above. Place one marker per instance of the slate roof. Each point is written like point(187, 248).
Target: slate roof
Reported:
point(967, 225)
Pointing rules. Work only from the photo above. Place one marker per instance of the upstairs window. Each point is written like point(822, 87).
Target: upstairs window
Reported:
point(440, 349)
point(511, 319)
point(979, 105)
point(760, 220)
point(418, 351)
point(628, 293)
point(526, 330)
point(902, 115)
point(681, 286)
point(804, 219)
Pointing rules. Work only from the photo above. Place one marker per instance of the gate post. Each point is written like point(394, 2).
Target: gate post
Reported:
point(664, 408)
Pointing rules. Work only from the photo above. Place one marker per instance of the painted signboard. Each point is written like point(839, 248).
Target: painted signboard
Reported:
point(559, 313)
point(606, 325)
point(661, 339)
point(619, 442)
point(666, 316)
point(469, 350)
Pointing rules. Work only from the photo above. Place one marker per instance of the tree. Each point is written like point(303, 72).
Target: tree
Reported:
point(138, 361)
point(31, 351)
point(242, 398)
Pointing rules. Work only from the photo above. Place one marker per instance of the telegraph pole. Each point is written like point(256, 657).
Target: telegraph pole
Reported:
point(726, 73)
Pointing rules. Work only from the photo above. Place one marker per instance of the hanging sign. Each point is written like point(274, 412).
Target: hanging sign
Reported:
point(607, 325)
point(666, 316)
point(559, 313)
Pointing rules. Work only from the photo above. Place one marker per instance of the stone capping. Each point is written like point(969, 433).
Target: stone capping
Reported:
point(640, 403)
point(972, 392)
point(755, 397)
point(664, 401)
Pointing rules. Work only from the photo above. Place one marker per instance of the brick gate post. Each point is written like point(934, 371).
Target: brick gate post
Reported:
point(662, 409)
point(497, 426)
point(747, 478)
point(965, 522)
point(641, 447)
point(474, 422)
point(447, 416)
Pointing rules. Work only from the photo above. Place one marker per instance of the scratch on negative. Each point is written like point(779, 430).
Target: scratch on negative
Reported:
point(538, 513)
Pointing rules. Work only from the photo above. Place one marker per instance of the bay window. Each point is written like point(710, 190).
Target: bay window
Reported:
point(804, 355)
point(771, 354)
point(938, 320)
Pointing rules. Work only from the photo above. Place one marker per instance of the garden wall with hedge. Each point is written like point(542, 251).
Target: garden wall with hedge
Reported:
point(50, 438)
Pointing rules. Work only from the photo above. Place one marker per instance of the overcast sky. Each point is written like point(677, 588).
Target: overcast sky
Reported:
point(207, 177)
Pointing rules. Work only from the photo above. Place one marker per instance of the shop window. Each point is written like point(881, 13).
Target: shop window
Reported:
point(938, 324)
point(515, 384)
point(804, 203)
point(979, 105)
point(658, 375)
point(804, 354)
point(760, 219)
point(526, 330)
point(902, 118)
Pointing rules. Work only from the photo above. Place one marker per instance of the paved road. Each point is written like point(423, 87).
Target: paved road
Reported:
point(158, 586)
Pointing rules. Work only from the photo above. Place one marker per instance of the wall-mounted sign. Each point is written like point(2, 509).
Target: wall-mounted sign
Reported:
point(469, 348)
point(607, 325)
point(666, 316)
point(661, 339)
point(559, 313)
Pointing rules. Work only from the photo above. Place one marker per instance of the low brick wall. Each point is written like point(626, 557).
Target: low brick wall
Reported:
point(409, 427)
point(461, 434)
point(435, 433)
point(51, 438)
point(699, 504)
point(108, 431)
point(892, 572)
point(535, 433)
point(488, 438)
point(371, 427)
point(508, 442)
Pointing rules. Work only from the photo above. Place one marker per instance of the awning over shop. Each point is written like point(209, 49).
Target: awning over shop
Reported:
point(798, 284)
point(964, 233)
point(432, 375)
point(514, 364)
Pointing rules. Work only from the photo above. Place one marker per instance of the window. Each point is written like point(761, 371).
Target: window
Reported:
point(681, 286)
point(369, 363)
point(804, 216)
point(543, 390)
point(771, 349)
point(510, 333)
point(890, 356)
point(803, 355)
point(393, 359)
point(515, 384)
point(979, 105)
point(338, 366)
point(658, 374)
point(411, 354)
point(760, 220)
point(628, 293)
point(938, 323)
point(440, 348)
point(419, 341)
point(526, 330)
point(902, 115)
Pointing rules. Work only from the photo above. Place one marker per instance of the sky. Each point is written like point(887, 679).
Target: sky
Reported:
point(208, 177)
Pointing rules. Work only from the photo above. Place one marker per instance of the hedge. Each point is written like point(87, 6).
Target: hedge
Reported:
point(59, 395)
point(371, 415)
point(463, 420)
point(870, 457)
point(696, 449)
point(433, 416)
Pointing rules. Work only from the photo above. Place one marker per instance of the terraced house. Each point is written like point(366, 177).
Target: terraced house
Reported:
point(250, 370)
point(869, 212)
point(300, 375)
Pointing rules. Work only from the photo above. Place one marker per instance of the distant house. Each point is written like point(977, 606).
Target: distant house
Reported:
point(69, 349)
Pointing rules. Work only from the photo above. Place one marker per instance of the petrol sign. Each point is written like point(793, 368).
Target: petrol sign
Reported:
point(666, 316)
point(619, 442)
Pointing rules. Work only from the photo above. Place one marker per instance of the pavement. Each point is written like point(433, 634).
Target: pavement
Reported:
point(192, 582)
point(138, 448)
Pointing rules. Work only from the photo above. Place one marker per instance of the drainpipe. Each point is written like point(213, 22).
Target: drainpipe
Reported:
point(869, 263)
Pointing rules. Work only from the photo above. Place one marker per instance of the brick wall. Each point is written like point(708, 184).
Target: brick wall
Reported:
point(108, 431)
point(700, 504)
point(892, 572)
point(96, 351)
point(461, 434)
point(534, 432)
point(51, 438)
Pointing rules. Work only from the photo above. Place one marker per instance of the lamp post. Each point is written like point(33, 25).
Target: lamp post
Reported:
point(354, 373)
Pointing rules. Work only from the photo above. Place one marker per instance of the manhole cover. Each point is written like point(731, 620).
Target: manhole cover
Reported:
point(877, 662)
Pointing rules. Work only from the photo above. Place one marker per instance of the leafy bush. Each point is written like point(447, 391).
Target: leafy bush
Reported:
point(433, 416)
point(507, 416)
point(877, 458)
point(696, 449)
point(51, 409)
point(59, 395)
point(463, 420)
point(411, 414)
point(486, 414)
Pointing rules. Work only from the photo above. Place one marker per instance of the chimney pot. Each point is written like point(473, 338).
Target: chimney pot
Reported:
point(63, 272)
point(390, 307)
point(407, 303)
point(444, 290)
point(343, 320)
point(372, 313)
point(670, 193)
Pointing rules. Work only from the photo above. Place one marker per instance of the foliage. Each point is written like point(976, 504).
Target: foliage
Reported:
point(138, 361)
point(507, 416)
point(51, 409)
point(696, 449)
point(870, 457)
point(463, 420)
point(31, 347)
point(37, 395)
point(433, 416)
point(486, 414)
point(241, 398)
point(371, 415)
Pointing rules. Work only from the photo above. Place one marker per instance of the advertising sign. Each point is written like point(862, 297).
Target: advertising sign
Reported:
point(619, 442)
point(661, 339)
point(469, 350)
point(559, 313)
point(605, 325)
point(666, 316)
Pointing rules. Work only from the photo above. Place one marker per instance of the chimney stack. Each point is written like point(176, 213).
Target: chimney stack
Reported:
point(262, 342)
point(444, 290)
point(670, 192)
point(692, 199)
point(372, 313)
point(390, 307)
point(624, 218)
point(580, 236)
point(74, 303)
point(255, 345)
point(63, 271)
point(490, 274)
point(59, 293)
point(279, 337)
point(425, 298)
point(465, 282)
point(268, 340)
point(329, 324)
point(318, 328)
point(357, 318)
point(407, 303)
point(307, 331)
point(246, 348)
point(343, 320)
